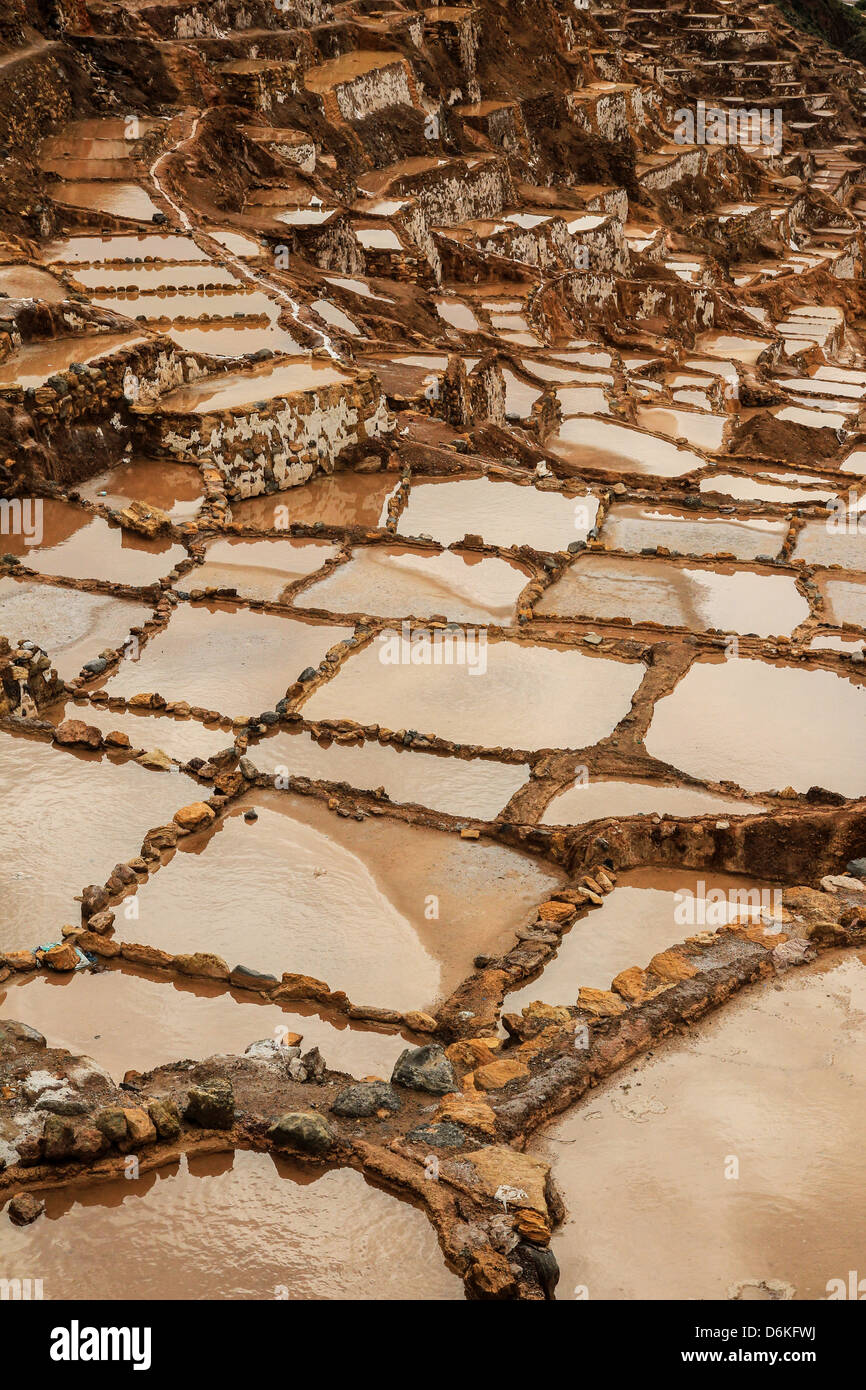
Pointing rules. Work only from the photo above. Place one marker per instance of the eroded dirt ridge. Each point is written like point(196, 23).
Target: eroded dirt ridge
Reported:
point(433, 457)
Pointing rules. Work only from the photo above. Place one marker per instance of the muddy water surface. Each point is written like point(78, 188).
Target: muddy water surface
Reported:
point(344, 499)
point(72, 627)
point(502, 513)
point(244, 388)
point(397, 583)
point(648, 911)
point(478, 787)
point(175, 488)
point(131, 1020)
point(591, 443)
point(234, 661)
point(320, 1235)
point(642, 1162)
point(303, 890)
point(594, 800)
point(75, 818)
point(614, 587)
point(764, 727)
point(179, 738)
point(75, 544)
point(492, 703)
point(257, 569)
point(34, 363)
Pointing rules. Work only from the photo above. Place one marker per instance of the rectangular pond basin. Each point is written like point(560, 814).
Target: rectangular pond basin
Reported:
point(479, 788)
point(257, 569)
point(645, 590)
point(75, 818)
point(75, 544)
point(518, 695)
point(72, 627)
point(392, 914)
point(596, 799)
point(322, 1234)
point(504, 514)
point(175, 488)
point(642, 1162)
point(238, 662)
point(633, 526)
point(339, 499)
point(764, 727)
point(394, 582)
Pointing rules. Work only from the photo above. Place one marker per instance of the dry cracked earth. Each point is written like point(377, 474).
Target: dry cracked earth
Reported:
point(433, 598)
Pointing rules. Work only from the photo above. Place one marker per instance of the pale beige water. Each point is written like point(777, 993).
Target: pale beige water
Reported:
point(238, 662)
point(593, 800)
point(320, 1235)
point(342, 499)
point(616, 587)
point(764, 726)
point(303, 890)
point(78, 545)
point(99, 195)
point(502, 513)
point(179, 738)
point(845, 600)
point(705, 431)
point(478, 787)
point(397, 583)
point(34, 363)
point(175, 488)
point(648, 911)
point(529, 696)
point(131, 1020)
point(29, 282)
point(633, 526)
point(772, 1080)
point(144, 246)
point(71, 626)
point(592, 443)
point(256, 384)
point(840, 540)
point(235, 339)
point(74, 819)
point(257, 569)
point(146, 280)
point(757, 490)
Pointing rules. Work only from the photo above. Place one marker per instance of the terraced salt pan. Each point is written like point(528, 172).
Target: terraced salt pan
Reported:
point(72, 627)
point(631, 526)
point(596, 800)
point(100, 195)
point(757, 490)
point(458, 314)
point(592, 443)
point(335, 317)
point(245, 388)
point(479, 788)
point(257, 569)
point(178, 737)
point(75, 818)
point(236, 339)
point(237, 662)
point(305, 891)
point(397, 583)
point(519, 397)
point(742, 349)
point(502, 513)
point(526, 696)
point(29, 282)
point(756, 724)
point(33, 364)
point(128, 1019)
point(705, 431)
point(845, 601)
point(648, 911)
point(583, 400)
point(339, 499)
point(839, 540)
point(146, 246)
point(322, 1235)
point(619, 587)
point(175, 488)
point(78, 545)
point(661, 1133)
point(148, 280)
point(187, 307)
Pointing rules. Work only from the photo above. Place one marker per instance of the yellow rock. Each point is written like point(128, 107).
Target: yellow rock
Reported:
point(553, 911)
point(474, 1113)
point(194, 816)
point(533, 1226)
point(672, 965)
point(498, 1074)
point(603, 1003)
